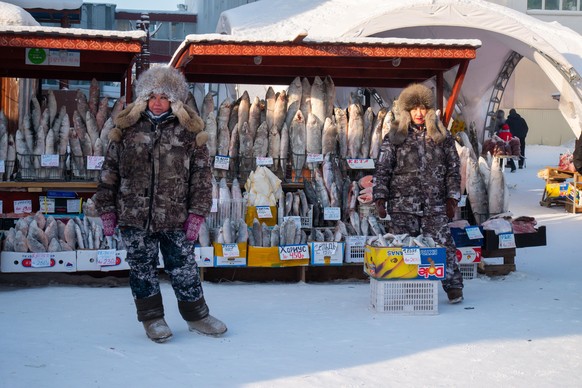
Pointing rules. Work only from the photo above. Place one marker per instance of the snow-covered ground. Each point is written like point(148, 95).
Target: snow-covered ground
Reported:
point(520, 330)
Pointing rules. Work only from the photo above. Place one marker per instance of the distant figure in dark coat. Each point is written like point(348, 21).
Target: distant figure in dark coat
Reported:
point(519, 129)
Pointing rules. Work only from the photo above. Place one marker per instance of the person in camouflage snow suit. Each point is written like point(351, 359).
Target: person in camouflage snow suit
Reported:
point(156, 185)
point(417, 180)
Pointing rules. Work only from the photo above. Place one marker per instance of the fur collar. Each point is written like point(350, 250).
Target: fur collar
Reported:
point(186, 116)
point(435, 130)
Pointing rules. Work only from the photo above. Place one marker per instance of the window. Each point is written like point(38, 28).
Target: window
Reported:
point(554, 5)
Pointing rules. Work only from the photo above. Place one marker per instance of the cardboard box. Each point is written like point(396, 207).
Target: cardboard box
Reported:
point(87, 261)
point(557, 190)
point(522, 240)
point(469, 255)
point(327, 253)
point(251, 214)
point(461, 238)
point(220, 260)
point(574, 193)
point(204, 256)
point(269, 257)
point(388, 263)
point(38, 262)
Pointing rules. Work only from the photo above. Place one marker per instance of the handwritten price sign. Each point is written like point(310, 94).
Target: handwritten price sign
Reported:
point(293, 252)
point(361, 164)
point(221, 162)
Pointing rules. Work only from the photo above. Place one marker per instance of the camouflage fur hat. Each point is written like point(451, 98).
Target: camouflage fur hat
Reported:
point(411, 97)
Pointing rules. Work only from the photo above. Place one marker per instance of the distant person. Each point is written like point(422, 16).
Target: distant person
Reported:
point(518, 128)
point(499, 120)
point(577, 155)
point(505, 134)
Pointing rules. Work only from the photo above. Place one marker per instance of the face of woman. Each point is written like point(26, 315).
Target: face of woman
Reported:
point(418, 114)
point(158, 104)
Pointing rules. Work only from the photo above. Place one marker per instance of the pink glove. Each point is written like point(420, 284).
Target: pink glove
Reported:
point(109, 223)
point(192, 226)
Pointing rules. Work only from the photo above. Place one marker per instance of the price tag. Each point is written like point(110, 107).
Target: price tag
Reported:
point(473, 232)
point(331, 213)
point(325, 249)
point(463, 201)
point(357, 241)
point(361, 164)
point(264, 212)
point(95, 162)
point(506, 240)
point(23, 206)
point(49, 160)
point(2, 167)
point(295, 219)
point(40, 260)
point(314, 158)
point(411, 255)
point(214, 207)
point(47, 205)
point(106, 257)
point(1, 207)
point(221, 162)
point(293, 252)
point(73, 206)
point(264, 161)
point(230, 250)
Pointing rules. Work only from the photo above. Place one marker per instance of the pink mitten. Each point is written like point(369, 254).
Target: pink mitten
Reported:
point(109, 223)
point(192, 226)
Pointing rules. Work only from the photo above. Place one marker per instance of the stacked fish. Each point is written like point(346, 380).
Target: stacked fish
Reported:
point(401, 240)
point(7, 149)
point(483, 181)
point(231, 232)
point(291, 124)
point(48, 131)
point(46, 234)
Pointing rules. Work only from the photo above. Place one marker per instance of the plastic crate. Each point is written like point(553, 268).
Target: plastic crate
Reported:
point(404, 297)
point(29, 168)
point(355, 248)
point(79, 170)
point(233, 209)
point(468, 270)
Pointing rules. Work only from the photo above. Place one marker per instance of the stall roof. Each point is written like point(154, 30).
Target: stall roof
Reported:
point(378, 62)
point(104, 55)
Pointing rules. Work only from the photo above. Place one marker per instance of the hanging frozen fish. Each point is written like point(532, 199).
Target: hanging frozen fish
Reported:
point(270, 99)
point(305, 105)
point(367, 134)
point(297, 141)
point(329, 136)
point(322, 192)
point(52, 106)
point(237, 199)
point(329, 87)
point(92, 128)
point(227, 231)
point(82, 105)
point(296, 206)
point(303, 204)
point(255, 117)
point(463, 156)
point(22, 151)
point(284, 148)
point(243, 109)
point(388, 120)
point(355, 222)
point(234, 143)
point(274, 150)
point(246, 149)
point(342, 131)
point(102, 113)
point(280, 110)
point(211, 129)
point(50, 143)
point(294, 95)
point(207, 106)
point(318, 100)
point(313, 139)
point(118, 107)
point(35, 113)
point(27, 135)
point(485, 168)
point(224, 199)
point(64, 132)
point(223, 141)
point(93, 100)
point(477, 192)
point(355, 130)
point(261, 143)
point(498, 194)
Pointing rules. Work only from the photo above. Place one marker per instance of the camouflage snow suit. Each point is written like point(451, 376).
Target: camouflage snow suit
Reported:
point(153, 176)
point(415, 178)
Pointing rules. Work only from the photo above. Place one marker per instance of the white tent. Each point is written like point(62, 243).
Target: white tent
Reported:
point(555, 48)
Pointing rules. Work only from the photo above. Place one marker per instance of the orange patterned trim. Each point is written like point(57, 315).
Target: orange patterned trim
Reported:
point(69, 43)
point(332, 50)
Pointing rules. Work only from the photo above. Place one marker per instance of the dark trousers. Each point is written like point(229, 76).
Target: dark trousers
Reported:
point(522, 157)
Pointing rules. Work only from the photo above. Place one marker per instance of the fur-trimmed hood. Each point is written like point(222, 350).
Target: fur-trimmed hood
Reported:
point(186, 116)
point(411, 97)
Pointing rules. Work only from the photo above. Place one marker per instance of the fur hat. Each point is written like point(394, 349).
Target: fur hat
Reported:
point(162, 80)
point(412, 96)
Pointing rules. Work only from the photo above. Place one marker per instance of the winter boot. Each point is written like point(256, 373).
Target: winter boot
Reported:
point(199, 320)
point(455, 295)
point(150, 311)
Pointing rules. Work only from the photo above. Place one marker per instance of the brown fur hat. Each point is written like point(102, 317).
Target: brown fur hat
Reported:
point(412, 96)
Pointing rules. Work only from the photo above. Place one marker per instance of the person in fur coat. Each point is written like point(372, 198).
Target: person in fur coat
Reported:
point(155, 185)
point(417, 178)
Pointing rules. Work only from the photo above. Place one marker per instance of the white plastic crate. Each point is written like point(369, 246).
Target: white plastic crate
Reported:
point(355, 247)
point(468, 270)
point(404, 297)
point(233, 209)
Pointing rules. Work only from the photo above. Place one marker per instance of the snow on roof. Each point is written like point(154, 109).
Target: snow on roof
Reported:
point(49, 4)
point(200, 38)
point(77, 32)
point(13, 15)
